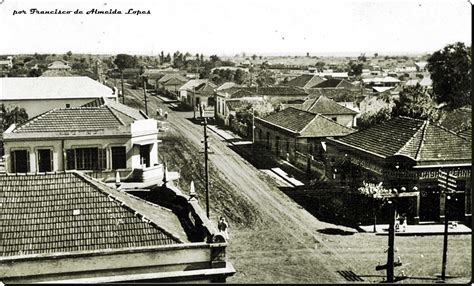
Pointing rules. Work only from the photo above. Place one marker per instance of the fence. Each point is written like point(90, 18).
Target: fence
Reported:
point(308, 163)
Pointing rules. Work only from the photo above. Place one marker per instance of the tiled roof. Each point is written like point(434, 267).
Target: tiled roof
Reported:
point(58, 65)
point(226, 85)
point(326, 106)
point(206, 87)
point(306, 123)
point(192, 84)
point(337, 94)
point(39, 88)
point(170, 76)
point(306, 81)
point(416, 139)
point(335, 83)
point(65, 212)
point(72, 119)
point(124, 112)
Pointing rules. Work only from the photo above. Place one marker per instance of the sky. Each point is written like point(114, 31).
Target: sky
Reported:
point(228, 27)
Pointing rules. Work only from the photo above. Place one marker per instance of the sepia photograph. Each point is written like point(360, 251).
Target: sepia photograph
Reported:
point(235, 141)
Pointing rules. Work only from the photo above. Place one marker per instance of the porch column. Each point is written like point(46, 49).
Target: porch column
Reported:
point(417, 209)
point(442, 206)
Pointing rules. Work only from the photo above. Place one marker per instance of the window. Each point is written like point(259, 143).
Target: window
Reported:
point(334, 118)
point(45, 160)
point(68, 105)
point(119, 158)
point(20, 161)
point(86, 159)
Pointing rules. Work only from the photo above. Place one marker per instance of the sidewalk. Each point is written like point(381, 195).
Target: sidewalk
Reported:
point(419, 229)
point(235, 139)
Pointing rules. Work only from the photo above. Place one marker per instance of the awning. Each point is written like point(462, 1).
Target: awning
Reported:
point(145, 142)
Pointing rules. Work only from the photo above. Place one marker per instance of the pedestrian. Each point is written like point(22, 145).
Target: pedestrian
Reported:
point(223, 227)
point(166, 114)
point(403, 222)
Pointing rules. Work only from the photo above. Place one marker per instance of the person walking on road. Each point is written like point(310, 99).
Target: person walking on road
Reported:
point(223, 227)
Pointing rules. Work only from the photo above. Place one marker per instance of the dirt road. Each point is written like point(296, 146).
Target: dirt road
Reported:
point(282, 244)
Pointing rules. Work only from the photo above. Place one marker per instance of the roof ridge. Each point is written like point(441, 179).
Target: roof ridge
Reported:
point(422, 127)
point(95, 184)
point(452, 132)
point(115, 115)
point(423, 134)
point(327, 118)
point(311, 121)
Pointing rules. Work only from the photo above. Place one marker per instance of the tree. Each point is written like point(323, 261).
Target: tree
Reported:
point(355, 68)
point(450, 70)
point(35, 72)
point(240, 76)
point(123, 61)
point(373, 118)
point(415, 102)
point(265, 78)
point(11, 116)
point(362, 58)
point(375, 192)
point(376, 55)
point(254, 57)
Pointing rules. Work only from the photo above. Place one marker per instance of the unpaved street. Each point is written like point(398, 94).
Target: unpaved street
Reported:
point(283, 244)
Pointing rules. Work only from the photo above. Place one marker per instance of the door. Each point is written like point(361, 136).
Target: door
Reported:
point(429, 204)
point(145, 155)
point(45, 160)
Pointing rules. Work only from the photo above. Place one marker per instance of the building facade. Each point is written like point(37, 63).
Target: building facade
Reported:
point(407, 153)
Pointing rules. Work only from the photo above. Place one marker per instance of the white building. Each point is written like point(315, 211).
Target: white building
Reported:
point(40, 94)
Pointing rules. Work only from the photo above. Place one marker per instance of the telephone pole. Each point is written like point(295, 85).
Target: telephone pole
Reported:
point(206, 147)
point(144, 92)
point(123, 93)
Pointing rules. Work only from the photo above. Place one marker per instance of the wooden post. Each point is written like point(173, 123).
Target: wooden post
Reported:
point(445, 240)
point(391, 242)
point(206, 167)
point(144, 92)
point(123, 93)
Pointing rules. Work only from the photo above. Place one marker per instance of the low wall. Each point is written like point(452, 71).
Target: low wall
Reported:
point(309, 164)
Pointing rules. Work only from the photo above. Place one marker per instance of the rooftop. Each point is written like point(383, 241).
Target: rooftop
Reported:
point(335, 83)
point(326, 106)
point(306, 124)
point(40, 88)
point(69, 212)
point(306, 81)
point(171, 76)
point(93, 116)
point(419, 140)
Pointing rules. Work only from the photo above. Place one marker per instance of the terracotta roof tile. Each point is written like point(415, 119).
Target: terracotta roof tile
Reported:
point(63, 213)
point(326, 106)
point(72, 119)
point(417, 139)
point(306, 123)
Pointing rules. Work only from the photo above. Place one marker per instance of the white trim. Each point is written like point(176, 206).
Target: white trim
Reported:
point(443, 166)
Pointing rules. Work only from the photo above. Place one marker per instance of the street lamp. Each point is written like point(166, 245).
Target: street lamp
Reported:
point(145, 79)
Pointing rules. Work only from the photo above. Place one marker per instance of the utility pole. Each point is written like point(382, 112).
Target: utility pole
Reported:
point(206, 147)
point(144, 92)
point(194, 104)
point(123, 93)
point(447, 184)
point(391, 242)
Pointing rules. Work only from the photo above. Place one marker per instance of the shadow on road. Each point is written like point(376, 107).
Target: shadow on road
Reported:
point(335, 231)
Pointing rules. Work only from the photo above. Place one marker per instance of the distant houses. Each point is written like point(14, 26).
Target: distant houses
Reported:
point(59, 66)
